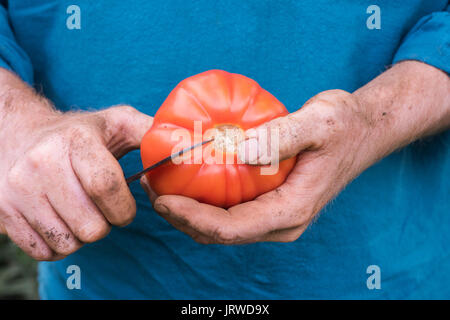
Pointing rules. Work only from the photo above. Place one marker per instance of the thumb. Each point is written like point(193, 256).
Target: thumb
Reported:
point(279, 139)
point(124, 128)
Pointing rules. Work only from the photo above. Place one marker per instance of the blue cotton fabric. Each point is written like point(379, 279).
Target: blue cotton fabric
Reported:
point(396, 215)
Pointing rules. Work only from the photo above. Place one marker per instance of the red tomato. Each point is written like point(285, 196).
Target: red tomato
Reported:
point(215, 99)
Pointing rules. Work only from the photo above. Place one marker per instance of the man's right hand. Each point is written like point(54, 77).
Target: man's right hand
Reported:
point(60, 182)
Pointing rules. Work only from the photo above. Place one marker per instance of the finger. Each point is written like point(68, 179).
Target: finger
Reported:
point(283, 208)
point(124, 128)
point(67, 199)
point(285, 235)
point(23, 235)
point(103, 181)
point(271, 213)
point(179, 211)
point(42, 217)
point(50, 195)
point(185, 228)
point(281, 138)
point(215, 224)
point(182, 227)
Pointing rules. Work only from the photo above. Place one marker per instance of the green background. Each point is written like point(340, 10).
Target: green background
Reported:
point(17, 272)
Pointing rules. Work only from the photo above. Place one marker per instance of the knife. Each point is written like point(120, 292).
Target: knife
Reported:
point(138, 175)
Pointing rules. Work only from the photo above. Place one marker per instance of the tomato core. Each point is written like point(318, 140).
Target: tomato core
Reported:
point(227, 137)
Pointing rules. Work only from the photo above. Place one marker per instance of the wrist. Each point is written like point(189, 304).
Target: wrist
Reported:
point(376, 141)
point(23, 114)
point(405, 103)
point(20, 105)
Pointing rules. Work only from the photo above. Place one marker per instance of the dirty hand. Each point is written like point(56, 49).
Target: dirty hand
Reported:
point(60, 183)
point(336, 135)
point(330, 136)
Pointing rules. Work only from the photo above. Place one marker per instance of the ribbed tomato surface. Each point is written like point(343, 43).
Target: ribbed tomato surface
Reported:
point(211, 99)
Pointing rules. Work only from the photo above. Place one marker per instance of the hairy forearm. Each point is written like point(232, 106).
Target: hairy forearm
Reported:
point(409, 101)
point(19, 101)
point(21, 110)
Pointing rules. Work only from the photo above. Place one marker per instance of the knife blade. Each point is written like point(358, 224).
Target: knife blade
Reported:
point(138, 175)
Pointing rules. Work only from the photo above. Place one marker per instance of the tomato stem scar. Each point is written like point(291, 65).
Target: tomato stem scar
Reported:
point(227, 137)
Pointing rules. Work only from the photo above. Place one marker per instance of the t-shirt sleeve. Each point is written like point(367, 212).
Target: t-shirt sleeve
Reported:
point(428, 41)
point(12, 56)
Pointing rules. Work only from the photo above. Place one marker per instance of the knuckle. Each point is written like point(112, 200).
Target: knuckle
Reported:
point(104, 182)
point(68, 246)
point(120, 117)
point(16, 176)
point(79, 135)
point(42, 155)
point(224, 235)
point(329, 114)
point(127, 109)
point(18, 179)
point(333, 95)
point(338, 94)
point(331, 121)
point(59, 239)
point(93, 231)
point(36, 156)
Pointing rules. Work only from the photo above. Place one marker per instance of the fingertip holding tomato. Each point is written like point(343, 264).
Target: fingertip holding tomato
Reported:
point(209, 104)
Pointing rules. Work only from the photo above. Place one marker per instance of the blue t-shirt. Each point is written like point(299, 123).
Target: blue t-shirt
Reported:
point(396, 215)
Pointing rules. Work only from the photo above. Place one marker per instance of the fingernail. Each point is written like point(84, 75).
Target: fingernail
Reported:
point(143, 183)
point(248, 151)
